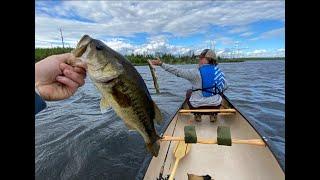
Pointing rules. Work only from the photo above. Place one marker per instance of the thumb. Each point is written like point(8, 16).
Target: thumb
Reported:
point(65, 57)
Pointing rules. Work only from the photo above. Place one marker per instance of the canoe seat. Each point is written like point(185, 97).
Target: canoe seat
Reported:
point(207, 111)
point(188, 95)
point(206, 107)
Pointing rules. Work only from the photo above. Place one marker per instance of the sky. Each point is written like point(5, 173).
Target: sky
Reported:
point(243, 28)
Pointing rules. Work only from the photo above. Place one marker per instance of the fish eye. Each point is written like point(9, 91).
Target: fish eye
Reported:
point(99, 47)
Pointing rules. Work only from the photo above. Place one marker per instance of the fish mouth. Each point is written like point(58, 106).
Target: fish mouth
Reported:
point(82, 46)
point(109, 81)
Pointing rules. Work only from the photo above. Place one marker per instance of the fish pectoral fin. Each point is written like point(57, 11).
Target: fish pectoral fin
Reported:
point(104, 105)
point(158, 116)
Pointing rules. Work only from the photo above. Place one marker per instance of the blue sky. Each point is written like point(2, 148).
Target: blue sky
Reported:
point(254, 28)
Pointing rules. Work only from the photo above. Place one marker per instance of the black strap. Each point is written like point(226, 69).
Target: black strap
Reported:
point(206, 90)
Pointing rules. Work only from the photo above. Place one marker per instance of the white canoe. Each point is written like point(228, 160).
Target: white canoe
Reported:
point(239, 161)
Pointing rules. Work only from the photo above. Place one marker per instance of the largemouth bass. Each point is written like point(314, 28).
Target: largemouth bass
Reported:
point(121, 88)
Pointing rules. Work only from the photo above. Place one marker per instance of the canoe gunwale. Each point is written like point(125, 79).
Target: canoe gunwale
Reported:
point(259, 131)
point(147, 160)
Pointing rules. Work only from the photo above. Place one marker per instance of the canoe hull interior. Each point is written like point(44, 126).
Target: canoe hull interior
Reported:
point(239, 161)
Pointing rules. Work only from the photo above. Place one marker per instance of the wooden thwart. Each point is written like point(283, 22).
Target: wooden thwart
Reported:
point(258, 142)
point(208, 110)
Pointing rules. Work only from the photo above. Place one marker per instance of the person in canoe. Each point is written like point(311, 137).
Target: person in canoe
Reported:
point(208, 82)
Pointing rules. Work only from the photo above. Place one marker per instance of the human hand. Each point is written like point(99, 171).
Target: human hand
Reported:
point(156, 62)
point(58, 77)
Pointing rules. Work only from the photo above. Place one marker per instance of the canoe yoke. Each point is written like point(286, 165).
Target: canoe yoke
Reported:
point(223, 138)
point(224, 135)
point(190, 135)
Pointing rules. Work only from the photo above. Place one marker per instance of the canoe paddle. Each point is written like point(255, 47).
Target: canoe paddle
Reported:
point(154, 76)
point(180, 151)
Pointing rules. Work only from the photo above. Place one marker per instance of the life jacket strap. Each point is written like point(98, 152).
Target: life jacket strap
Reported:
point(216, 90)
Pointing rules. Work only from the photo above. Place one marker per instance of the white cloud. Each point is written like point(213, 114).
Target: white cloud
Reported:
point(246, 34)
point(265, 53)
point(224, 40)
point(229, 53)
point(106, 19)
point(179, 17)
point(158, 44)
point(258, 51)
point(120, 45)
point(270, 34)
point(240, 29)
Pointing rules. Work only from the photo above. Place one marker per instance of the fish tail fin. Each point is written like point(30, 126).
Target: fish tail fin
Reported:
point(158, 116)
point(154, 147)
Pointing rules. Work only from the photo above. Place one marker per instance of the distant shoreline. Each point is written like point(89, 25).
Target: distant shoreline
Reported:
point(222, 61)
point(140, 60)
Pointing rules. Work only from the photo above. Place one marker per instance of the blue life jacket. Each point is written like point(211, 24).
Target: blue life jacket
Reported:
point(213, 80)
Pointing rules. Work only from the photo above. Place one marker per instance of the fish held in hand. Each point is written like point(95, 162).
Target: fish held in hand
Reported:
point(121, 88)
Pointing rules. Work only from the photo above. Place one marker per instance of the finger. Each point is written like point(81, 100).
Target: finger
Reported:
point(80, 62)
point(74, 61)
point(80, 71)
point(68, 82)
point(64, 66)
point(79, 67)
point(76, 77)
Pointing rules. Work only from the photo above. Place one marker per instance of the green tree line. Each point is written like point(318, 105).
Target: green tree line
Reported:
point(41, 53)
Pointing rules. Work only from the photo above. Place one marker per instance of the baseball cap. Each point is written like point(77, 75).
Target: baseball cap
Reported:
point(208, 53)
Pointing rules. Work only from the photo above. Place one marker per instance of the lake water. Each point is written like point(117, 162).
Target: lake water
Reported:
point(73, 140)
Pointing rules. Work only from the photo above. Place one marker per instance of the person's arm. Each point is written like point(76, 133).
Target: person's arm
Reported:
point(225, 85)
point(188, 74)
point(40, 104)
point(225, 82)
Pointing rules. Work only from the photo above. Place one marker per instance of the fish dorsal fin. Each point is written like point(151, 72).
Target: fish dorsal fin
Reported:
point(158, 116)
point(104, 105)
